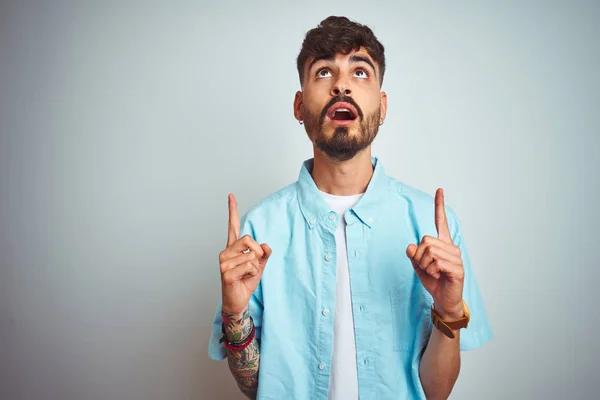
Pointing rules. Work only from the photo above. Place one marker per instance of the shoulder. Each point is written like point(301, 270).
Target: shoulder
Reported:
point(420, 204)
point(404, 192)
point(272, 205)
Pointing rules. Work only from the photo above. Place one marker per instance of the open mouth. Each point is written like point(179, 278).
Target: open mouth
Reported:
point(342, 113)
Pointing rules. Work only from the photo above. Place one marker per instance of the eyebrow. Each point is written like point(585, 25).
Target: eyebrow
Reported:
point(358, 58)
point(355, 58)
point(319, 58)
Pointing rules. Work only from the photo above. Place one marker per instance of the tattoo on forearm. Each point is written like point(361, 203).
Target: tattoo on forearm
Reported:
point(244, 363)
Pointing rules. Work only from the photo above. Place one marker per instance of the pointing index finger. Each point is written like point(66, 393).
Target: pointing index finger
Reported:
point(233, 232)
point(441, 222)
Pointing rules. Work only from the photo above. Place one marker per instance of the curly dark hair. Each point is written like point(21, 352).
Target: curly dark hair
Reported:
point(340, 35)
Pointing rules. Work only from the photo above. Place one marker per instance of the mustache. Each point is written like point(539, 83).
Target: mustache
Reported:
point(340, 99)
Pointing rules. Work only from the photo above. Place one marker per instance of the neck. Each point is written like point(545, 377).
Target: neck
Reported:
point(344, 178)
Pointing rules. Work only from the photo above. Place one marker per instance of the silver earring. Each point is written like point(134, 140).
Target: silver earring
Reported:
point(300, 122)
point(381, 123)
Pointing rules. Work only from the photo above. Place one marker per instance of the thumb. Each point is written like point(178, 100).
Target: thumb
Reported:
point(411, 250)
point(268, 251)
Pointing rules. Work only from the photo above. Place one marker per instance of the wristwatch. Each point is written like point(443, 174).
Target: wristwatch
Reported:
point(448, 327)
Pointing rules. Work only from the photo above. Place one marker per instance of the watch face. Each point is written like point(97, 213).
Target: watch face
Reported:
point(467, 314)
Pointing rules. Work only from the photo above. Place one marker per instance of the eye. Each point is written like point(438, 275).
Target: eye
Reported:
point(323, 73)
point(361, 73)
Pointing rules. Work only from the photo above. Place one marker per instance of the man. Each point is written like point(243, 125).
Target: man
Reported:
point(329, 285)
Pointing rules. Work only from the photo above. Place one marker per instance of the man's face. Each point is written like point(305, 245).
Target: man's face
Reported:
point(341, 103)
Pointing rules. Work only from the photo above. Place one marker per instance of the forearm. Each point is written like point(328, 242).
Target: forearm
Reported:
point(440, 365)
point(243, 363)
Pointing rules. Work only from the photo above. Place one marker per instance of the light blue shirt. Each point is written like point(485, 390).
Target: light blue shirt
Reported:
point(293, 306)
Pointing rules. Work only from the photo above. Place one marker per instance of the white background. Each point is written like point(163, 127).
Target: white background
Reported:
point(124, 127)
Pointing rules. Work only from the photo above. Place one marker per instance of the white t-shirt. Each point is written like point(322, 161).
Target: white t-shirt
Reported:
point(343, 381)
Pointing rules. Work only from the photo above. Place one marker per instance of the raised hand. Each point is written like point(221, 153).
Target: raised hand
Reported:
point(438, 264)
point(242, 264)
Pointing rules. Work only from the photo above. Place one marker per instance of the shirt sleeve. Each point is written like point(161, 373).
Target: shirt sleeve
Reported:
point(478, 331)
point(217, 350)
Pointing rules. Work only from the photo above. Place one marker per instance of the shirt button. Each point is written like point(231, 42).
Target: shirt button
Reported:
point(331, 217)
point(321, 367)
point(355, 253)
point(360, 308)
point(328, 257)
point(365, 361)
point(325, 312)
point(370, 220)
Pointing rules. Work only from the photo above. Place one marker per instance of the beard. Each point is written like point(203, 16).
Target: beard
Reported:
point(341, 146)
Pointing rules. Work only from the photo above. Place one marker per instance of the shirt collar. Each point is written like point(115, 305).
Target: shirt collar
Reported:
point(315, 208)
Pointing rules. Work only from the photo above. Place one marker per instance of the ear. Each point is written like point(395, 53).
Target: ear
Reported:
point(382, 107)
point(298, 106)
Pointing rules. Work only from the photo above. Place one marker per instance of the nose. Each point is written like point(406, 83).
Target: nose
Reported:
point(340, 86)
point(337, 91)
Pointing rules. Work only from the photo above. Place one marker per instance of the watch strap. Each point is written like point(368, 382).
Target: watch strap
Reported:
point(448, 327)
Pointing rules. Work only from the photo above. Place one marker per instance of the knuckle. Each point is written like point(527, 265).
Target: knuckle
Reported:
point(227, 278)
